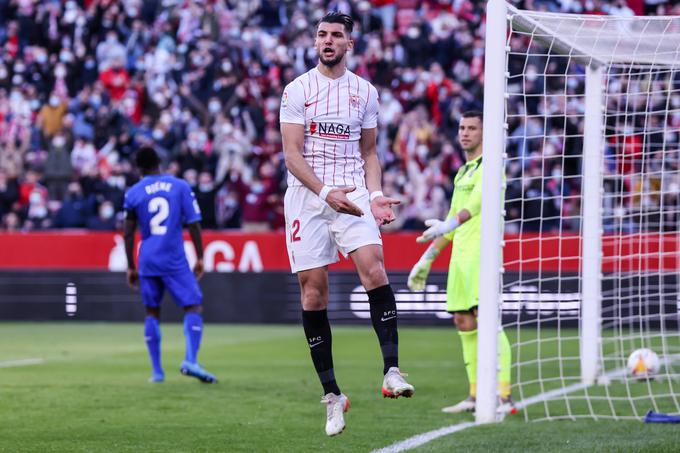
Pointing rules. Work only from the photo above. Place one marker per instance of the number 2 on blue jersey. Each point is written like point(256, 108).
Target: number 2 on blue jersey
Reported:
point(160, 207)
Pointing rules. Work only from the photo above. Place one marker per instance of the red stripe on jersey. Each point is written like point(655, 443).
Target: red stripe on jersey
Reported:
point(338, 90)
point(335, 163)
point(344, 168)
point(303, 89)
point(313, 156)
point(349, 97)
point(354, 168)
point(316, 104)
point(328, 98)
point(368, 93)
point(323, 178)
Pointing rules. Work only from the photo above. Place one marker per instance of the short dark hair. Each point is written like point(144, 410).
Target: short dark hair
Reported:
point(474, 114)
point(147, 159)
point(336, 17)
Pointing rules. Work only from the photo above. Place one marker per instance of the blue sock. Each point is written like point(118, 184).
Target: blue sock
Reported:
point(193, 331)
point(152, 335)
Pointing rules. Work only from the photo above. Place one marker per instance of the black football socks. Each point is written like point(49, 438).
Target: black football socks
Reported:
point(318, 332)
point(384, 318)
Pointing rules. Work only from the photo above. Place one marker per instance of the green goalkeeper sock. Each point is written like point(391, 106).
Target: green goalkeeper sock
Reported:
point(505, 360)
point(469, 342)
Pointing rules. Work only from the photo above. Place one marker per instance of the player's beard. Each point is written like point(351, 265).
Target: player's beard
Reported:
point(330, 63)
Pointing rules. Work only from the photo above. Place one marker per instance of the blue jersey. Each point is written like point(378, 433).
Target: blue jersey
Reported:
point(163, 204)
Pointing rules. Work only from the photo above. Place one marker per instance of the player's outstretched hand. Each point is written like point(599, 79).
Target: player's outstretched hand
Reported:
point(381, 207)
point(133, 279)
point(198, 268)
point(437, 228)
point(418, 276)
point(337, 199)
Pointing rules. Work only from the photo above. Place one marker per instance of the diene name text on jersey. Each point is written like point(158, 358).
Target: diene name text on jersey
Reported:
point(158, 186)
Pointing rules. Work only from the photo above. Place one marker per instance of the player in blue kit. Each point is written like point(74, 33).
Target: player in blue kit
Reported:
point(161, 205)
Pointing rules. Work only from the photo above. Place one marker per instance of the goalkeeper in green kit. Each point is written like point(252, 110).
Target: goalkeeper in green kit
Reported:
point(462, 226)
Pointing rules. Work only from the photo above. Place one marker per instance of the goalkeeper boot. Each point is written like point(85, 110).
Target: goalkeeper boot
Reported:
point(467, 405)
point(394, 385)
point(336, 406)
point(197, 371)
point(156, 378)
point(506, 406)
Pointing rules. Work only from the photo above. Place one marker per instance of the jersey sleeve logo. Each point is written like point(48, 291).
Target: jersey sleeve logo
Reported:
point(284, 100)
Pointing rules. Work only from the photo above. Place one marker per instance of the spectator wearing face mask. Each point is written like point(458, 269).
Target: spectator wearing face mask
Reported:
point(206, 192)
point(76, 208)
point(37, 212)
point(109, 50)
point(51, 116)
point(58, 168)
point(105, 220)
point(227, 208)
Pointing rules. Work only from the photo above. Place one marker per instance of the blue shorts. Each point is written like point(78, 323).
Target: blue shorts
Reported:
point(181, 285)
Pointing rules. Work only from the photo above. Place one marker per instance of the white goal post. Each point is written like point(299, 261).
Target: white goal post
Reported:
point(580, 196)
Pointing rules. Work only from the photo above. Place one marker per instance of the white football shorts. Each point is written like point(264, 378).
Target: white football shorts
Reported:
point(315, 232)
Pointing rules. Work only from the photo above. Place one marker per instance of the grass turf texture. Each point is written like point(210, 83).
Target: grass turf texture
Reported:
point(91, 395)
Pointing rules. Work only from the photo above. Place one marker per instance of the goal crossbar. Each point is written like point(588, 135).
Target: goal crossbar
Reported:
point(597, 40)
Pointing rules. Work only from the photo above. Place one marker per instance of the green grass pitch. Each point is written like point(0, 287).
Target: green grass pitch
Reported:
point(91, 395)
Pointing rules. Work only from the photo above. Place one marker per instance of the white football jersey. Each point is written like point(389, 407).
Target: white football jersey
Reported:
point(333, 112)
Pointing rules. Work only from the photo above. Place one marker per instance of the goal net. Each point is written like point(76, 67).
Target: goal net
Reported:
point(591, 127)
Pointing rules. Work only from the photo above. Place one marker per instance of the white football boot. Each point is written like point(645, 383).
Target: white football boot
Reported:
point(506, 406)
point(336, 406)
point(467, 405)
point(394, 385)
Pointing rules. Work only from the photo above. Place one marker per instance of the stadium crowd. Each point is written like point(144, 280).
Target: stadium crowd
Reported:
point(85, 83)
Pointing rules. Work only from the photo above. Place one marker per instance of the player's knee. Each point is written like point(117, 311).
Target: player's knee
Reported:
point(375, 276)
point(314, 299)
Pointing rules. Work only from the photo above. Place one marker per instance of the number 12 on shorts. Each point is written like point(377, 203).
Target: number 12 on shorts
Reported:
point(295, 231)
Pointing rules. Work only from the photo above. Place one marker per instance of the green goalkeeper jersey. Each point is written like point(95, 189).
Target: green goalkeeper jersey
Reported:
point(467, 194)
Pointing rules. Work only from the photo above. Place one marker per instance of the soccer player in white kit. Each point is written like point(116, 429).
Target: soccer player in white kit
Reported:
point(334, 203)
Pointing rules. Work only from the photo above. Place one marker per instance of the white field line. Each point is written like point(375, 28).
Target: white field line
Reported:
point(21, 362)
point(421, 439)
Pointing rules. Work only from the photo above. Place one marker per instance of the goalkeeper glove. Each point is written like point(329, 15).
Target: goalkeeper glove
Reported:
point(418, 275)
point(438, 228)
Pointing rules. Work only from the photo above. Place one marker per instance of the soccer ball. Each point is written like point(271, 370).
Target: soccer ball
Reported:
point(643, 363)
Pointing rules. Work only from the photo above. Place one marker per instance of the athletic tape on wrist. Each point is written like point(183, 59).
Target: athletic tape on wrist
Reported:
point(375, 194)
point(323, 193)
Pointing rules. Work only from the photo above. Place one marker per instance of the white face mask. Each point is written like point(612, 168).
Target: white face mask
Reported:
point(227, 128)
point(214, 106)
point(107, 212)
point(54, 101)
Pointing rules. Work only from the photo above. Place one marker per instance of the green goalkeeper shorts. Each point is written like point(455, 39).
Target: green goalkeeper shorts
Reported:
point(462, 288)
